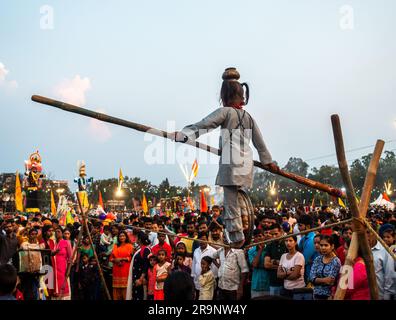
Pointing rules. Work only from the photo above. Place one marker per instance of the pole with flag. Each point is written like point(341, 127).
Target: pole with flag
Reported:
point(18, 193)
point(341, 203)
point(144, 204)
point(203, 204)
point(194, 170)
point(120, 180)
point(101, 200)
point(53, 206)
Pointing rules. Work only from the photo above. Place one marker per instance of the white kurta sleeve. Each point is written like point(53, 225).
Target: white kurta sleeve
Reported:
point(212, 121)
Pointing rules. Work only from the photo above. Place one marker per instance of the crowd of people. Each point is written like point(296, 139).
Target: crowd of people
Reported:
point(184, 256)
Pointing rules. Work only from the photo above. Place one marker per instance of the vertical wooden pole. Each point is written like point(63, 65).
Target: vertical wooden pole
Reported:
point(358, 227)
point(85, 226)
point(364, 202)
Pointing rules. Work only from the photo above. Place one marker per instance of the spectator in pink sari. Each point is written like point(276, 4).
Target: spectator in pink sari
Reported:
point(62, 258)
point(360, 289)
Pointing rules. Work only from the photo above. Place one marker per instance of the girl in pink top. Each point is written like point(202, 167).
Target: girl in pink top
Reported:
point(151, 277)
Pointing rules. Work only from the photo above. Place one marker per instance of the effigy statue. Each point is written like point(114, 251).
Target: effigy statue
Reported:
point(83, 183)
point(32, 182)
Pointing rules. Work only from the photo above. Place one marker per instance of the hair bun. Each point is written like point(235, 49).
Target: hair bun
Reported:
point(231, 74)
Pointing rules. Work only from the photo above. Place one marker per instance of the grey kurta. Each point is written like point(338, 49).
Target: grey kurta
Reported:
point(236, 160)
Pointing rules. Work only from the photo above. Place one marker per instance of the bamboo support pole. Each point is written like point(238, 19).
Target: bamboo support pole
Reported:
point(143, 128)
point(365, 200)
point(85, 225)
point(351, 196)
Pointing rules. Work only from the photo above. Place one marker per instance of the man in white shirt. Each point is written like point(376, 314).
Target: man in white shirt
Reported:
point(233, 271)
point(203, 250)
point(384, 269)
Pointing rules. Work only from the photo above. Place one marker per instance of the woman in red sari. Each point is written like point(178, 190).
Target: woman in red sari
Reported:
point(121, 258)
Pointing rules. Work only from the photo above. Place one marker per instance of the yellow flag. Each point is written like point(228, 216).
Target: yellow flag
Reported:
point(18, 193)
point(53, 206)
point(341, 203)
point(120, 179)
point(212, 201)
point(144, 204)
point(279, 205)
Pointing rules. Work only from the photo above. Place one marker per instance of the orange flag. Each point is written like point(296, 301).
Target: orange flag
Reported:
point(101, 200)
point(53, 206)
point(204, 206)
point(18, 193)
point(144, 204)
point(385, 196)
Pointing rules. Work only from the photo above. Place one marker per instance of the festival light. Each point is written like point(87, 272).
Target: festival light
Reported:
point(118, 193)
point(388, 188)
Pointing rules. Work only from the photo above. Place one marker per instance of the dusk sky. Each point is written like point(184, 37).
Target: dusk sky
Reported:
point(154, 62)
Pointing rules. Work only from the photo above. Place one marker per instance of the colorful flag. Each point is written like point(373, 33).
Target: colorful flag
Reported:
point(53, 206)
point(385, 197)
point(120, 179)
point(101, 200)
point(144, 204)
point(279, 205)
point(18, 193)
point(212, 201)
point(203, 204)
point(341, 203)
point(194, 169)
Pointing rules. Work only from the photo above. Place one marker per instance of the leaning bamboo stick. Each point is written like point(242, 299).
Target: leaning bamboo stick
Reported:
point(143, 128)
point(351, 196)
point(300, 233)
point(364, 202)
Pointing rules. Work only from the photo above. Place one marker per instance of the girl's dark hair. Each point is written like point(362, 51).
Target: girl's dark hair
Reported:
point(295, 240)
point(154, 257)
point(232, 93)
point(182, 243)
point(327, 238)
point(208, 259)
point(127, 240)
point(143, 238)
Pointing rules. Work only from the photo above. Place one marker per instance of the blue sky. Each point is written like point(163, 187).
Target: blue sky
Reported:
point(158, 61)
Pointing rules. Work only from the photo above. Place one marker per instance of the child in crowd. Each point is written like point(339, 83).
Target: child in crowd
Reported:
point(182, 249)
point(106, 239)
point(88, 283)
point(206, 280)
point(151, 277)
point(161, 273)
point(179, 265)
